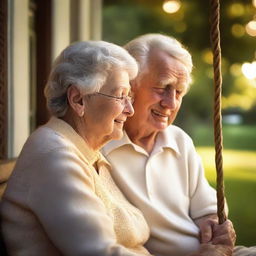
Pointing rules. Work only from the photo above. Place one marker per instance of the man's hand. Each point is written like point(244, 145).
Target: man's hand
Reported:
point(213, 250)
point(224, 234)
point(206, 224)
point(211, 231)
point(216, 240)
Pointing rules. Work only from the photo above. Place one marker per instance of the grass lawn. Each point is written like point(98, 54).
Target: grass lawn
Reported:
point(238, 137)
point(240, 187)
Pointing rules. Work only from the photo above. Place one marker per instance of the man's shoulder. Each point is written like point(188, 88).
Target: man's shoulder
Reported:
point(176, 132)
point(176, 138)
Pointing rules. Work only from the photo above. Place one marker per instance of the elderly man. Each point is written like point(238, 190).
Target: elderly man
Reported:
point(155, 163)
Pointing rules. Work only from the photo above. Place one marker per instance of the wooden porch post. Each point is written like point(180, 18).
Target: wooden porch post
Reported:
point(3, 80)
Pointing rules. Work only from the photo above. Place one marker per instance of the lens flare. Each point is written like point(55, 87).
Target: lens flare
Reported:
point(249, 70)
point(171, 6)
point(251, 28)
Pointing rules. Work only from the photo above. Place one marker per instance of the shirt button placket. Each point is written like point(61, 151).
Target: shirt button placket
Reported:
point(149, 181)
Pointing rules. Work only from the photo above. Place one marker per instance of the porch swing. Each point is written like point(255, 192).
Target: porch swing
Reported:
point(215, 40)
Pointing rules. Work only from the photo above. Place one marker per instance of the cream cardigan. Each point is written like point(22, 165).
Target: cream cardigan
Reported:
point(57, 204)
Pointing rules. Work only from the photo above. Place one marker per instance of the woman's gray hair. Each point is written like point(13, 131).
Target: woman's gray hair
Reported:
point(141, 47)
point(86, 65)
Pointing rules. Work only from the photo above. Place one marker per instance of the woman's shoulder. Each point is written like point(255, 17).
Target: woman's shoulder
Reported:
point(49, 155)
point(45, 139)
point(45, 147)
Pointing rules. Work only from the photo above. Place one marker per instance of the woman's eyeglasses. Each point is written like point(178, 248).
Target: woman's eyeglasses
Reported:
point(122, 99)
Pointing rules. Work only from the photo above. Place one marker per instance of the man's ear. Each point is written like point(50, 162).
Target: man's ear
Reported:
point(75, 100)
point(134, 85)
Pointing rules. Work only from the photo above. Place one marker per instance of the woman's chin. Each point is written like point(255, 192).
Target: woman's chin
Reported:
point(117, 134)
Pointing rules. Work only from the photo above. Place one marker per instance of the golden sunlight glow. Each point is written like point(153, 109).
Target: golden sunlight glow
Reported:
point(249, 70)
point(237, 30)
point(238, 100)
point(207, 56)
point(171, 6)
point(251, 28)
point(234, 160)
point(235, 69)
point(254, 3)
point(236, 10)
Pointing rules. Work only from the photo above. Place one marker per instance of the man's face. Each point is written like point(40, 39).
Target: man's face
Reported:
point(158, 93)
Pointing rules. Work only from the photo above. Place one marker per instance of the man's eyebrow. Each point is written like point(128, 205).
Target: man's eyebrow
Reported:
point(166, 82)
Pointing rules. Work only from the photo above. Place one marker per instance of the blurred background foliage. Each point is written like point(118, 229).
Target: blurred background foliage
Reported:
point(125, 19)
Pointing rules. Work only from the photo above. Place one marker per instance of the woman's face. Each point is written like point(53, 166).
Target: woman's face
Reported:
point(105, 115)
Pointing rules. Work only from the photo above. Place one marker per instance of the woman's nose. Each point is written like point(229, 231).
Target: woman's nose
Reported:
point(128, 109)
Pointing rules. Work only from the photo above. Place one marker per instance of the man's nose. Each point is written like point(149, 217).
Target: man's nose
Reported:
point(128, 109)
point(169, 99)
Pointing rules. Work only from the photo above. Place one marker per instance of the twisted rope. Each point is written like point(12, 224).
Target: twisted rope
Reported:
point(215, 40)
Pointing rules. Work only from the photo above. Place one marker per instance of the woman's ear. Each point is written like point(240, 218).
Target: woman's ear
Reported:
point(75, 100)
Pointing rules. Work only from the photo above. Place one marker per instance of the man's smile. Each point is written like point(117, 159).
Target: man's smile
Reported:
point(159, 114)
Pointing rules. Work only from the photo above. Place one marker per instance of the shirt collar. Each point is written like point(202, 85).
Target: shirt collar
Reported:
point(69, 133)
point(112, 145)
point(165, 139)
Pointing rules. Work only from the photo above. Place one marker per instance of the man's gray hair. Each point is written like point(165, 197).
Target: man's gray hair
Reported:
point(86, 65)
point(141, 47)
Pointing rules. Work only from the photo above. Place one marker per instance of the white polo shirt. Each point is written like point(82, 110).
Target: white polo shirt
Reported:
point(168, 186)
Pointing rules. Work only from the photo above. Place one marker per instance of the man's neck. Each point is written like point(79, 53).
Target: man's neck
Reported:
point(142, 138)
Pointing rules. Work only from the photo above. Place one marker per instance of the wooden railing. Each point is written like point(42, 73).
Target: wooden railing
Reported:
point(6, 168)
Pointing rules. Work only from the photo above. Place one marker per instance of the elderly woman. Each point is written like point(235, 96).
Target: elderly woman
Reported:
point(61, 199)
